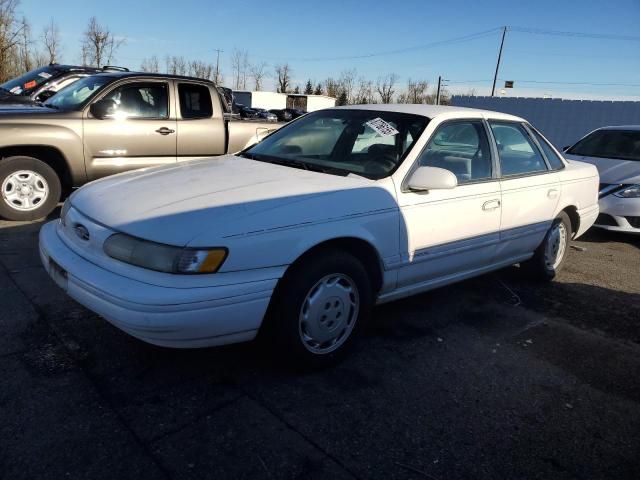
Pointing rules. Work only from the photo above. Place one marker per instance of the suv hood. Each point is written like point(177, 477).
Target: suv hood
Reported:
point(199, 202)
point(612, 170)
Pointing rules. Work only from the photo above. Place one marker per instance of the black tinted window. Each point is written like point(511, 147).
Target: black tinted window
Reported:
point(140, 100)
point(195, 101)
point(461, 148)
point(554, 160)
point(620, 144)
point(518, 154)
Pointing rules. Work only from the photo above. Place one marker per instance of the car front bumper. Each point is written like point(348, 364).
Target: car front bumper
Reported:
point(619, 214)
point(231, 313)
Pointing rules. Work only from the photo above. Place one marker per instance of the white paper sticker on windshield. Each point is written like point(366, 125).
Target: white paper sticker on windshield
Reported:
point(44, 75)
point(381, 127)
point(16, 90)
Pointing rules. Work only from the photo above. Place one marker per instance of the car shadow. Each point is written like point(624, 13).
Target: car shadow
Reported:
point(599, 235)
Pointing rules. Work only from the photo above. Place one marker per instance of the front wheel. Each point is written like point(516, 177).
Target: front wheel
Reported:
point(550, 256)
point(321, 304)
point(30, 188)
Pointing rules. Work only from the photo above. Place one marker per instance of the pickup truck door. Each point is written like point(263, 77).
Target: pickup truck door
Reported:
point(201, 123)
point(140, 131)
point(448, 233)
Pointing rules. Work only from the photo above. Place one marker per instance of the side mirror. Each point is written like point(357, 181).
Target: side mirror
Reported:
point(44, 96)
point(432, 178)
point(102, 108)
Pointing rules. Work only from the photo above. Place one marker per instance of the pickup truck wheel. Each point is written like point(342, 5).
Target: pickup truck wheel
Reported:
point(30, 188)
point(321, 304)
point(549, 257)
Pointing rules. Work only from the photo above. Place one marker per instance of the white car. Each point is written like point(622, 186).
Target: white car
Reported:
point(303, 233)
point(615, 151)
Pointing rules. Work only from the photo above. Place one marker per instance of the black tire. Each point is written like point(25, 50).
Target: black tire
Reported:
point(538, 267)
point(10, 165)
point(297, 283)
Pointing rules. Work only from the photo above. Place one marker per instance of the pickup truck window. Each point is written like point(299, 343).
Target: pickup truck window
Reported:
point(76, 95)
point(195, 101)
point(141, 100)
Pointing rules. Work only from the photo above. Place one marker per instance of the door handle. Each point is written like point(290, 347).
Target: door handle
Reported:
point(553, 193)
point(164, 131)
point(491, 205)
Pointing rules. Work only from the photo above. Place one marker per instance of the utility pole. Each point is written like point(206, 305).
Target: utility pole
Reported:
point(495, 77)
point(218, 65)
point(438, 91)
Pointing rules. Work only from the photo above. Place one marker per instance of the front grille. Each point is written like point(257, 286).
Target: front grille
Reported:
point(607, 220)
point(633, 221)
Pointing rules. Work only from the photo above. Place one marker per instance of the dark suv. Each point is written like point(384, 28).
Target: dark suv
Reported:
point(42, 83)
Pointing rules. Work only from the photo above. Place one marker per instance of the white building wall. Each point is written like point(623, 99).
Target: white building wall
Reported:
point(318, 102)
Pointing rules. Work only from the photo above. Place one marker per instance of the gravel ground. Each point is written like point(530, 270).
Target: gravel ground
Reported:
point(496, 377)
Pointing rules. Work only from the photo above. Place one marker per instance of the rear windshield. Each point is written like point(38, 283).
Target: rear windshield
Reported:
point(618, 144)
point(28, 82)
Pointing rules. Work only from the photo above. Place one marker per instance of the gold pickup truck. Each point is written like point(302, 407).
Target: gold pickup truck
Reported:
point(109, 123)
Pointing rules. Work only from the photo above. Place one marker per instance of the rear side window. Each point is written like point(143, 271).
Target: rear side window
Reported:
point(554, 160)
point(195, 101)
point(619, 144)
point(518, 154)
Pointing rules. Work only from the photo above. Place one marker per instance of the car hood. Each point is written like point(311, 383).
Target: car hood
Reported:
point(23, 110)
point(199, 202)
point(612, 170)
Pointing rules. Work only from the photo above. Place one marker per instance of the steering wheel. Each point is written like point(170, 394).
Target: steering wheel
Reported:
point(379, 164)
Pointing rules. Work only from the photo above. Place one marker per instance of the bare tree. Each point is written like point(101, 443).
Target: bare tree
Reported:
point(99, 45)
point(151, 64)
point(283, 74)
point(51, 41)
point(25, 45)
point(240, 65)
point(416, 92)
point(347, 83)
point(385, 87)
point(200, 69)
point(365, 92)
point(332, 87)
point(258, 73)
point(176, 65)
point(10, 32)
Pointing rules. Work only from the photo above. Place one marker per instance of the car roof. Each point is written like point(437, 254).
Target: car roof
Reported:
point(431, 111)
point(621, 127)
point(118, 74)
point(80, 68)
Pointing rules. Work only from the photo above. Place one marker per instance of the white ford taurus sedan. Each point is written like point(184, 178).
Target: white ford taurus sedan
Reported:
point(303, 233)
point(615, 151)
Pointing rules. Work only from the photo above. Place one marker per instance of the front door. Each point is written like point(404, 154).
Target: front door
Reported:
point(139, 131)
point(446, 233)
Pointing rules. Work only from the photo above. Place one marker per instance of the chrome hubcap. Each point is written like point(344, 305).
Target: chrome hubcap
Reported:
point(328, 313)
point(25, 190)
point(556, 245)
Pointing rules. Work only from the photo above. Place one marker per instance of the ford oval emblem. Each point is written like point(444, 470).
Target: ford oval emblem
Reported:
point(82, 232)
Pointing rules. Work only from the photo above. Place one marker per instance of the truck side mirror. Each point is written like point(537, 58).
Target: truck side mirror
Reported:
point(102, 108)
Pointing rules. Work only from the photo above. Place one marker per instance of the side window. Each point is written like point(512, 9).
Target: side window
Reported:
point(140, 100)
point(461, 147)
point(195, 101)
point(554, 160)
point(518, 154)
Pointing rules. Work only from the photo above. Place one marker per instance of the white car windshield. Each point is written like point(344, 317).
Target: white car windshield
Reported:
point(78, 93)
point(609, 143)
point(368, 143)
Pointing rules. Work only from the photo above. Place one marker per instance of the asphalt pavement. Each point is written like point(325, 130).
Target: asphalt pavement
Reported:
point(497, 377)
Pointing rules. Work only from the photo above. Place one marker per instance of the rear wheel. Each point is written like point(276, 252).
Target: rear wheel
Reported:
point(30, 188)
point(321, 304)
point(549, 257)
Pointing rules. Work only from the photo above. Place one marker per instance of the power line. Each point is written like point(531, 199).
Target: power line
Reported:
point(601, 36)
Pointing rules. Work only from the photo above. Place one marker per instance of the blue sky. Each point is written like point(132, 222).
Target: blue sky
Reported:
point(302, 32)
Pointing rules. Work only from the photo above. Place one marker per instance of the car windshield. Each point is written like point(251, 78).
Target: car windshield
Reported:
point(28, 82)
point(618, 144)
point(368, 143)
point(79, 93)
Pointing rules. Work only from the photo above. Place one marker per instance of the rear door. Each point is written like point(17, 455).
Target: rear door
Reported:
point(531, 189)
point(139, 132)
point(201, 124)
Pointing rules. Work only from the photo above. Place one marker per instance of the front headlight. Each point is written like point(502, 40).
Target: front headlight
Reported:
point(632, 191)
point(164, 258)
